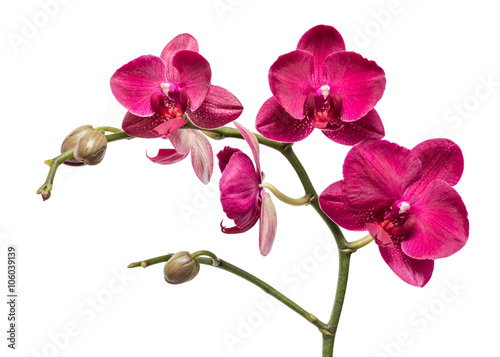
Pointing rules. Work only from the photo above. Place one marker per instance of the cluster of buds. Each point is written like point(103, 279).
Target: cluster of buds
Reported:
point(89, 146)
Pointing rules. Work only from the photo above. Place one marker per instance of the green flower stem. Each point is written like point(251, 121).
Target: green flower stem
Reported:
point(302, 201)
point(328, 340)
point(248, 277)
point(150, 261)
point(226, 132)
point(345, 250)
point(215, 260)
point(344, 253)
point(311, 192)
point(109, 128)
point(360, 243)
point(46, 188)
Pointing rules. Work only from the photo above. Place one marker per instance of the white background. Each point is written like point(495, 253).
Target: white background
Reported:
point(437, 57)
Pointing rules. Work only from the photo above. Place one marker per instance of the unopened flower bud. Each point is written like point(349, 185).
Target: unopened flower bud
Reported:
point(45, 194)
point(180, 268)
point(71, 140)
point(91, 147)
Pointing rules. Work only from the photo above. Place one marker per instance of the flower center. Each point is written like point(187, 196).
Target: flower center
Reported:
point(395, 216)
point(393, 224)
point(327, 109)
point(170, 102)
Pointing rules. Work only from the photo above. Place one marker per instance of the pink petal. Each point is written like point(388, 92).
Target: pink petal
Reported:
point(358, 81)
point(202, 157)
point(239, 187)
point(332, 203)
point(252, 141)
point(170, 126)
point(275, 123)
point(167, 157)
point(181, 42)
point(134, 83)
point(376, 171)
point(225, 155)
point(321, 41)
point(350, 133)
point(412, 271)
point(442, 227)
point(441, 159)
point(194, 76)
point(267, 225)
point(219, 108)
point(291, 80)
point(142, 127)
point(182, 140)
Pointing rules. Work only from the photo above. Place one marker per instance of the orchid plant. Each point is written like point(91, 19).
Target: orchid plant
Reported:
point(403, 198)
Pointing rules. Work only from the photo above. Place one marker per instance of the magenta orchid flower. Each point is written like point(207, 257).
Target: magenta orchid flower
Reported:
point(160, 90)
point(242, 197)
point(405, 199)
point(320, 85)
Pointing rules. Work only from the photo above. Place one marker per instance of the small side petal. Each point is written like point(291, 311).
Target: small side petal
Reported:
point(442, 226)
point(142, 127)
point(170, 126)
point(202, 157)
point(133, 83)
point(252, 141)
point(358, 81)
point(219, 108)
point(182, 140)
point(412, 271)
point(194, 76)
point(291, 80)
point(167, 157)
point(275, 123)
point(321, 41)
point(239, 188)
point(225, 155)
point(332, 203)
point(267, 225)
point(350, 133)
point(441, 159)
point(376, 171)
point(181, 42)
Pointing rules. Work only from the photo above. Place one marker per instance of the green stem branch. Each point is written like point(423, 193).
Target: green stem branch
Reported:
point(248, 277)
point(344, 253)
point(302, 201)
point(345, 248)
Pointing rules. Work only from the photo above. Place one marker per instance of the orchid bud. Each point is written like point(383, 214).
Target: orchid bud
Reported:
point(180, 268)
point(91, 147)
point(70, 141)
